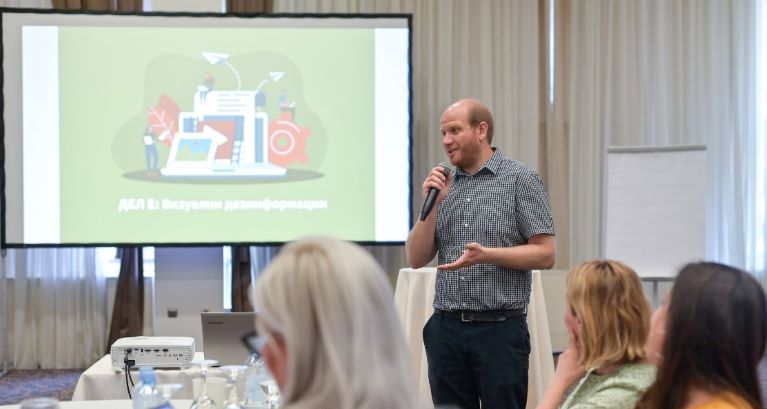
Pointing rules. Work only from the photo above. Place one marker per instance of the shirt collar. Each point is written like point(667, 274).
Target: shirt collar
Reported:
point(493, 165)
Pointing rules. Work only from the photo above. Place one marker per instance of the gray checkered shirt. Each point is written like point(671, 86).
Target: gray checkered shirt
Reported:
point(502, 205)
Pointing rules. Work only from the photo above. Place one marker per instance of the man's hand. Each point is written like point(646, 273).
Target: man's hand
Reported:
point(420, 247)
point(473, 254)
point(436, 179)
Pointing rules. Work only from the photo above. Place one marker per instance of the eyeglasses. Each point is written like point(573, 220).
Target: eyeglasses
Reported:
point(254, 342)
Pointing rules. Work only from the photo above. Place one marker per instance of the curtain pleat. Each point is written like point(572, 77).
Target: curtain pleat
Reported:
point(128, 311)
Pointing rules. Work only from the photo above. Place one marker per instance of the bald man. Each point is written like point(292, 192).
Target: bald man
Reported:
point(493, 225)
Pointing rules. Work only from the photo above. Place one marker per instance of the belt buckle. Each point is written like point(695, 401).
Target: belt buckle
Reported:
point(463, 319)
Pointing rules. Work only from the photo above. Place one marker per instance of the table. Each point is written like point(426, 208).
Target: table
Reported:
point(108, 404)
point(101, 382)
point(413, 298)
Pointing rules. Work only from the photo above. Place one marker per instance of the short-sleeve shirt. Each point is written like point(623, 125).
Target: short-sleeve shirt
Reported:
point(502, 205)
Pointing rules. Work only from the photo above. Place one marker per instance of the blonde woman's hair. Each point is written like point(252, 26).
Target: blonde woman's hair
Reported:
point(333, 305)
point(607, 298)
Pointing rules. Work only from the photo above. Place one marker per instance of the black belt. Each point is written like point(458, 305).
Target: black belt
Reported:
point(481, 316)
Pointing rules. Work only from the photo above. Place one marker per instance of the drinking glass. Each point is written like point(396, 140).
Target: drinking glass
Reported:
point(232, 371)
point(203, 400)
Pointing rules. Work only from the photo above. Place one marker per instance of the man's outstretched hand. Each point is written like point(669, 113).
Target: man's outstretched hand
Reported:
point(473, 254)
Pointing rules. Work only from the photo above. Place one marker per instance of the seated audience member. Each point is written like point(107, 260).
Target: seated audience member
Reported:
point(608, 318)
point(707, 339)
point(331, 336)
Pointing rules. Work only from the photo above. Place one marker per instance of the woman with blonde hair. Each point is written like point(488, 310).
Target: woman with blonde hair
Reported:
point(329, 332)
point(608, 319)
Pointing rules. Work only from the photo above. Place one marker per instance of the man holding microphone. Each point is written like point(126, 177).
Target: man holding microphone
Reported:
point(491, 226)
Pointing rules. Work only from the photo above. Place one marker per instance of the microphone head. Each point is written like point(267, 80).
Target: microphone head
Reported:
point(446, 168)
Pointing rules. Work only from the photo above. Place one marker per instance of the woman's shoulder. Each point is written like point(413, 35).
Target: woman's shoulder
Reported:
point(640, 374)
point(617, 390)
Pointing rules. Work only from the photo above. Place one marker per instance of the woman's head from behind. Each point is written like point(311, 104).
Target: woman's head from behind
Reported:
point(332, 335)
point(607, 312)
point(715, 330)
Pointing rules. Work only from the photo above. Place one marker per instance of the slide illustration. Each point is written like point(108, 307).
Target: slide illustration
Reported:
point(228, 134)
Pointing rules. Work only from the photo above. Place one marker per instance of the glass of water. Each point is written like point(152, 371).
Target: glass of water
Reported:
point(203, 400)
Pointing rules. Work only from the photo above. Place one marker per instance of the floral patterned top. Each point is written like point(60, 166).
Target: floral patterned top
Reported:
point(618, 390)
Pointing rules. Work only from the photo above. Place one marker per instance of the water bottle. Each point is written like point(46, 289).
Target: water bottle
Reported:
point(146, 395)
point(255, 373)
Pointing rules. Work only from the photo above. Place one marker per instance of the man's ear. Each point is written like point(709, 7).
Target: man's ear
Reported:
point(482, 130)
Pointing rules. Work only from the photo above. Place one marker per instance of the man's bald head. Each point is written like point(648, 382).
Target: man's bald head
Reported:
point(476, 113)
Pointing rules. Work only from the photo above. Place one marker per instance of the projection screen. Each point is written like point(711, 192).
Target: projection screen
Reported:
point(173, 129)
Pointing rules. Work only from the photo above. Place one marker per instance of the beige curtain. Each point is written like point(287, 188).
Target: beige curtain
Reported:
point(652, 72)
point(128, 311)
point(482, 49)
point(57, 304)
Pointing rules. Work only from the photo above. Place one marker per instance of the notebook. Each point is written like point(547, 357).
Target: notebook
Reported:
point(221, 332)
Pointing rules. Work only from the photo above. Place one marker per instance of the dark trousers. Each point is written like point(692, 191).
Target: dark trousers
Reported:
point(471, 362)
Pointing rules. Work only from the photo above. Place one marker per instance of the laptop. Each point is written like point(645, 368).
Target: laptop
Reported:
point(193, 153)
point(229, 145)
point(221, 332)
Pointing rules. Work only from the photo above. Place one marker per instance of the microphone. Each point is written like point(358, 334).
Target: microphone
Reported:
point(431, 197)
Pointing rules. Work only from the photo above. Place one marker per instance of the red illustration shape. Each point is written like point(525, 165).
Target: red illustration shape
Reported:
point(163, 118)
point(287, 141)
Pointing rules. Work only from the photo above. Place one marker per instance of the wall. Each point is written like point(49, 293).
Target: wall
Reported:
point(553, 282)
point(189, 280)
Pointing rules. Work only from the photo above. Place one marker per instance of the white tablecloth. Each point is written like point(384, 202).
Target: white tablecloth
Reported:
point(414, 296)
point(100, 382)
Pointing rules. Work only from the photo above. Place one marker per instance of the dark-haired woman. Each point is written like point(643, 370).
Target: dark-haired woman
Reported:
point(707, 340)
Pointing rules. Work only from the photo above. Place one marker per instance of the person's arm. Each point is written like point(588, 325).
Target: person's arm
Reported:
point(539, 253)
point(420, 248)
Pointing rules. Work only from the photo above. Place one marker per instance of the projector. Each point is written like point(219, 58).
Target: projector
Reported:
point(159, 352)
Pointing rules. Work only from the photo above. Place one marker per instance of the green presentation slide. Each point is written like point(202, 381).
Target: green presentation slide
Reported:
point(174, 135)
